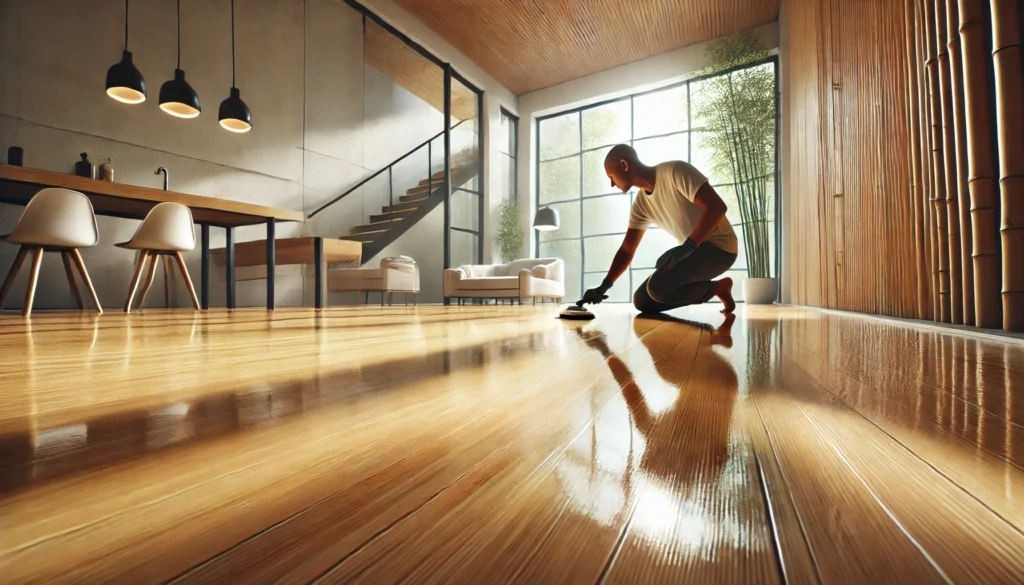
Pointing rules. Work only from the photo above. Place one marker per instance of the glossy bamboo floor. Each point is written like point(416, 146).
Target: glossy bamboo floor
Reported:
point(498, 444)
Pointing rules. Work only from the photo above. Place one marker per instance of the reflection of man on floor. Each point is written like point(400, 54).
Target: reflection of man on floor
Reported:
point(694, 431)
point(677, 197)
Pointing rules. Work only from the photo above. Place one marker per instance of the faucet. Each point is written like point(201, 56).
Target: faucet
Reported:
point(167, 176)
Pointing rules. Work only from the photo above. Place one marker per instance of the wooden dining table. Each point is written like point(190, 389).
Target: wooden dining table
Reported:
point(19, 184)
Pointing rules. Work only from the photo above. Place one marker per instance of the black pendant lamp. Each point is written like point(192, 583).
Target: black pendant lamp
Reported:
point(124, 80)
point(234, 114)
point(177, 97)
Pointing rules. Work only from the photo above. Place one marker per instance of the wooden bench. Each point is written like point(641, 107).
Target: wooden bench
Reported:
point(314, 250)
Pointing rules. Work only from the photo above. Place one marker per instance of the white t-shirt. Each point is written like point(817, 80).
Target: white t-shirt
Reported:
point(671, 206)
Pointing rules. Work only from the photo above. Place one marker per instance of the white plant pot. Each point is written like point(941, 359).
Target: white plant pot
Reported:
point(760, 291)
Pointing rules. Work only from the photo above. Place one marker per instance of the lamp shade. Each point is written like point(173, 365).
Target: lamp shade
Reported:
point(234, 114)
point(177, 97)
point(124, 81)
point(545, 220)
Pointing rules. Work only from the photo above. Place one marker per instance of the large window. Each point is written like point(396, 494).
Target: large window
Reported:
point(507, 143)
point(661, 125)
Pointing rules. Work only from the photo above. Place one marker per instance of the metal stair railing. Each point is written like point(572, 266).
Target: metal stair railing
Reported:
point(389, 168)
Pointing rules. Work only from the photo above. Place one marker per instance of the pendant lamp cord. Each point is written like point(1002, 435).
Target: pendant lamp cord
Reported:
point(179, 34)
point(126, 24)
point(232, 43)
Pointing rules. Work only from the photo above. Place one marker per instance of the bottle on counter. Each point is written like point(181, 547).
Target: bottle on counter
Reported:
point(15, 156)
point(84, 168)
point(106, 172)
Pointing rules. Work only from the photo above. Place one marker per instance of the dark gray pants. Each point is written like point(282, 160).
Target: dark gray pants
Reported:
point(687, 283)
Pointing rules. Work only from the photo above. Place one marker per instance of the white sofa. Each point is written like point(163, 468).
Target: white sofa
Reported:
point(533, 278)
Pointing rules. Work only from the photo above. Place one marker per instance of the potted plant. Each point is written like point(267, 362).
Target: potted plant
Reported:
point(510, 235)
point(737, 112)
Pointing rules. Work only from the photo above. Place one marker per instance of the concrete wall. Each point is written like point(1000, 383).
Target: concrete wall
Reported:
point(646, 74)
point(322, 119)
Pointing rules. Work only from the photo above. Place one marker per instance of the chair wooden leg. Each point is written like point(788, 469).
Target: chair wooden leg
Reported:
point(168, 274)
point(33, 279)
point(188, 279)
point(150, 277)
point(134, 286)
point(77, 257)
point(19, 261)
point(66, 257)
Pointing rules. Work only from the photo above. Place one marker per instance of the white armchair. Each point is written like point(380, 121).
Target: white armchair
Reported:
point(535, 278)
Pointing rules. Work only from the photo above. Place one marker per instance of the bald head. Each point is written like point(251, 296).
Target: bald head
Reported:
point(621, 164)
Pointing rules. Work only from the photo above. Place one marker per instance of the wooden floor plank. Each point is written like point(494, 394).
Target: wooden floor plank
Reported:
point(700, 515)
point(489, 444)
point(963, 539)
point(423, 542)
point(977, 450)
point(340, 524)
point(241, 470)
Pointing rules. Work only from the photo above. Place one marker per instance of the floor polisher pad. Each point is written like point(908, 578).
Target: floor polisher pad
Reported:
point(576, 312)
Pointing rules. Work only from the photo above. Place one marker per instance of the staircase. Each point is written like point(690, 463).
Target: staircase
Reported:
point(394, 220)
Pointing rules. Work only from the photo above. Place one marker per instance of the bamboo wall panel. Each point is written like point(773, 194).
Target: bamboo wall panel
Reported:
point(949, 165)
point(974, 36)
point(941, 227)
point(910, 103)
point(1006, 55)
point(930, 239)
point(917, 206)
point(852, 199)
point(531, 45)
point(806, 89)
point(960, 143)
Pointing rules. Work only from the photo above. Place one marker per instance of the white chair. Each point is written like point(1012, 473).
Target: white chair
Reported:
point(536, 278)
point(58, 220)
point(390, 278)
point(166, 231)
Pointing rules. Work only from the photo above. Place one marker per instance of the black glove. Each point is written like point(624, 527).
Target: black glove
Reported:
point(674, 256)
point(595, 295)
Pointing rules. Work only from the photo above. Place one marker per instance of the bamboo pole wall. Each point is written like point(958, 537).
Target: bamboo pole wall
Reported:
point(1009, 74)
point(960, 143)
point(938, 194)
point(893, 195)
point(913, 114)
point(974, 24)
point(924, 123)
point(952, 187)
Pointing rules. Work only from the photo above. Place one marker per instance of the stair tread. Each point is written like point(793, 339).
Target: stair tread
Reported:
point(385, 216)
point(408, 207)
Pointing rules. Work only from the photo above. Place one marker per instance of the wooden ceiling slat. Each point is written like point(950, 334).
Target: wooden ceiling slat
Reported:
point(531, 44)
point(392, 57)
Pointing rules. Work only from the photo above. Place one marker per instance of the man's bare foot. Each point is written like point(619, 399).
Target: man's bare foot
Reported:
point(723, 334)
point(723, 290)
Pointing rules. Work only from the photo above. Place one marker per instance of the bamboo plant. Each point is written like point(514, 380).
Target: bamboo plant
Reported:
point(510, 235)
point(737, 112)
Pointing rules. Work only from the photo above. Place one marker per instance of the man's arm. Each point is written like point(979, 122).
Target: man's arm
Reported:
point(619, 265)
point(625, 254)
point(714, 211)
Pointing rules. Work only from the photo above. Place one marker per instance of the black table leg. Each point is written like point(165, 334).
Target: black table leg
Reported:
point(205, 284)
point(271, 262)
point(318, 273)
point(229, 261)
